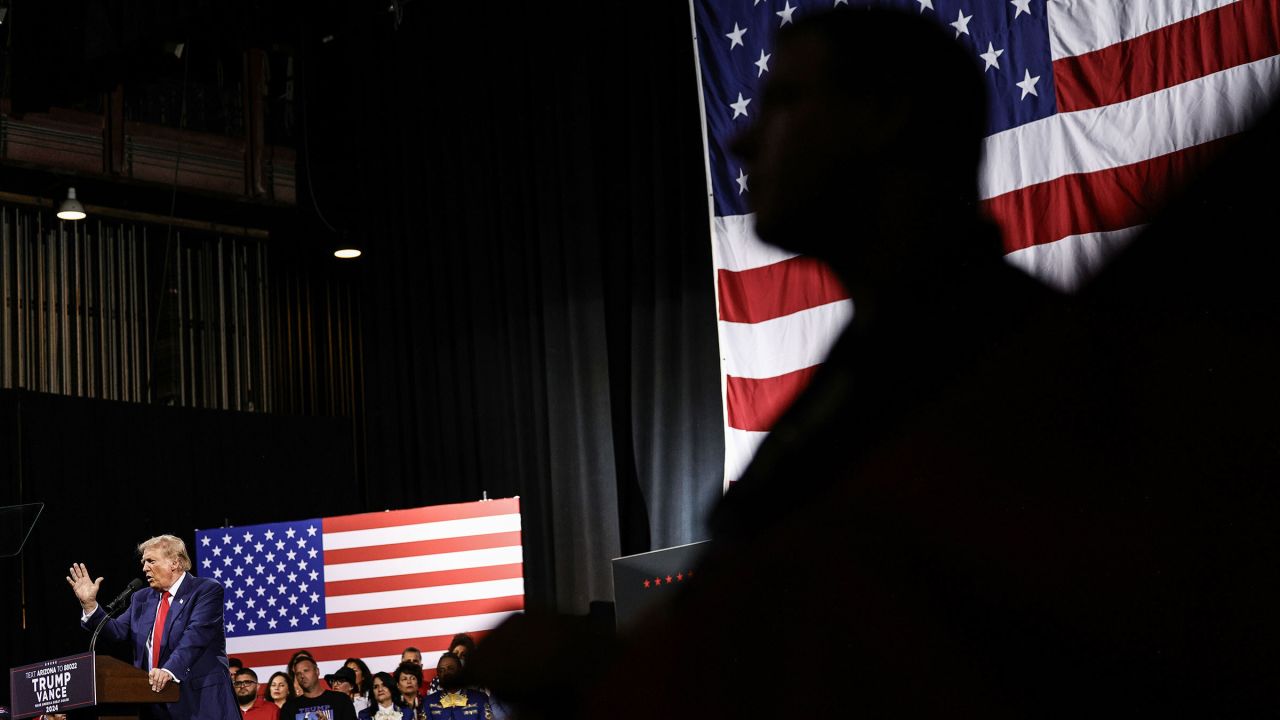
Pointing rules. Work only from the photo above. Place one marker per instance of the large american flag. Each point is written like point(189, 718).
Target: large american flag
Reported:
point(1099, 108)
point(365, 586)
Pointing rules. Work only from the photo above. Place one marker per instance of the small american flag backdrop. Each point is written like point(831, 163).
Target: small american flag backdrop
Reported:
point(1098, 109)
point(365, 586)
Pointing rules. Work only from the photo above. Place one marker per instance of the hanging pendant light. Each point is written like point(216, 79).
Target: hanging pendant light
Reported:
point(71, 209)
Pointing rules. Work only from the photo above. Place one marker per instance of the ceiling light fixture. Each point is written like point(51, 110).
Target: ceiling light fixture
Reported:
point(71, 209)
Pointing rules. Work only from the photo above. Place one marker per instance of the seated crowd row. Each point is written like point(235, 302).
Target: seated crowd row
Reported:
point(353, 692)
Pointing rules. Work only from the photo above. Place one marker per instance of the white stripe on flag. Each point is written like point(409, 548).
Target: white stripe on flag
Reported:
point(1077, 27)
point(782, 345)
point(740, 447)
point(737, 248)
point(316, 639)
point(1068, 263)
point(423, 563)
point(422, 531)
point(424, 596)
point(1212, 107)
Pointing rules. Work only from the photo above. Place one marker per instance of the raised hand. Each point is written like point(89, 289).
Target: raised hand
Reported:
point(86, 590)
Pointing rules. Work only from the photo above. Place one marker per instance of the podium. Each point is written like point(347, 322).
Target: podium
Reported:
point(116, 690)
point(123, 689)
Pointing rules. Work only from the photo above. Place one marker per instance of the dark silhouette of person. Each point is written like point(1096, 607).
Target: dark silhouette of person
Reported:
point(865, 155)
point(990, 501)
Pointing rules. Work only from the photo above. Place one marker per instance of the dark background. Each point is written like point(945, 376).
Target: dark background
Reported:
point(536, 308)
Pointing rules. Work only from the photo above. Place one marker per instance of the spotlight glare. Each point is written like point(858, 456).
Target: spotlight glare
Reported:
point(346, 253)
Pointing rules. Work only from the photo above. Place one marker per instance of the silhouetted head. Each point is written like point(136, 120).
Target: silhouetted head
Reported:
point(869, 117)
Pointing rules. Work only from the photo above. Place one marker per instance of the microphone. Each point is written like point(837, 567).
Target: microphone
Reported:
point(134, 585)
point(111, 607)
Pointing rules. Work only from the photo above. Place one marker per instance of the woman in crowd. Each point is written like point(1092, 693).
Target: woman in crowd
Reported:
point(363, 696)
point(279, 688)
point(385, 702)
point(460, 645)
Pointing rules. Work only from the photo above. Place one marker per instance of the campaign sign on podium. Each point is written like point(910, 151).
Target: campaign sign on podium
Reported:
point(53, 686)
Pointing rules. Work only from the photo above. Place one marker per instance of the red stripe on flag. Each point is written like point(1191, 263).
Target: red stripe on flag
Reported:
point(756, 403)
point(426, 612)
point(1231, 35)
point(381, 648)
point(420, 580)
point(1095, 202)
point(422, 547)
point(777, 290)
point(437, 513)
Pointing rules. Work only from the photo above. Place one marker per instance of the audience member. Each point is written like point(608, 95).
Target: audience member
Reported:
point(344, 681)
point(364, 695)
point(234, 665)
point(453, 700)
point(460, 645)
point(385, 705)
point(413, 655)
point(252, 707)
point(295, 690)
point(279, 688)
point(408, 677)
point(315, 701)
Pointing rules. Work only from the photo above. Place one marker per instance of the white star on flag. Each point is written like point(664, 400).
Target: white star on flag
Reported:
point(785, 14)
point(926, 4)
point(763, 63)
point(1024, 6)
point(962, 23)
point(739, 109)
point(742, 181)
point(989, 57)
point(1028, 85)
point(735, 39)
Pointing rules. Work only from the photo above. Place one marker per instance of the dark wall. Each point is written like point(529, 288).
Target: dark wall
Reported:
point(112, 474)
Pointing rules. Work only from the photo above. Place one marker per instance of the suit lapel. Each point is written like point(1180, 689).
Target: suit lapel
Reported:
point(147, 616)
point(176, 604)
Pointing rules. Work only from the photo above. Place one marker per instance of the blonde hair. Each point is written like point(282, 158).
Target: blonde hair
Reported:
point(170, 546)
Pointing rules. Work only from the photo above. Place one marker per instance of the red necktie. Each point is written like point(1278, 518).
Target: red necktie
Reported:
point(158, 633)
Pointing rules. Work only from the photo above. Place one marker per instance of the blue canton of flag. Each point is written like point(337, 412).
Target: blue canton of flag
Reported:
point(1009, 40)
point(273, 575)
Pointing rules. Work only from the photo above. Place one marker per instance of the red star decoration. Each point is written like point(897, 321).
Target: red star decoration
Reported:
point(668, 578)
point(646, 583)
point(679, 577)
point(657, 581)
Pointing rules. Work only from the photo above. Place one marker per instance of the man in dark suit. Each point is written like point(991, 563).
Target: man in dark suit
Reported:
point(175, 629)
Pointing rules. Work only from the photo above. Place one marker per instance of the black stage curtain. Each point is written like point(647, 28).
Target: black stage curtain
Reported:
point(539, 314)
